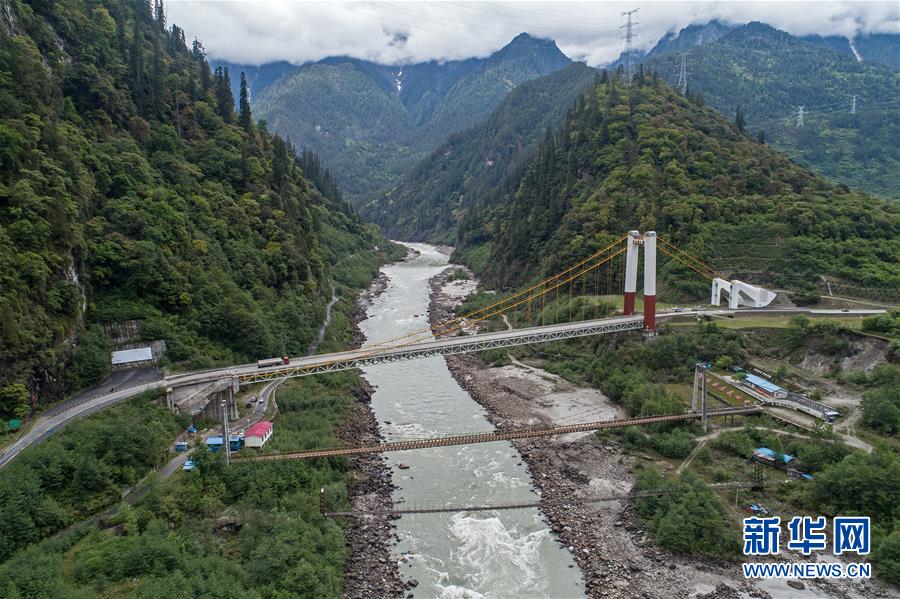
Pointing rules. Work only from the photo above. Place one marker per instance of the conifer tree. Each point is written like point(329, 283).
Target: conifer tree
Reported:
point(159, 15)
point(246, 118)
point(224, 99)
point(137, 64)
point(739, 121)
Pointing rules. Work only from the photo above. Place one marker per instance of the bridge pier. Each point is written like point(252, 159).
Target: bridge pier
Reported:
point(207, 399)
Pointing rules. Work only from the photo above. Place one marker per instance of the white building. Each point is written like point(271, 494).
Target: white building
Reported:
point(258, 434)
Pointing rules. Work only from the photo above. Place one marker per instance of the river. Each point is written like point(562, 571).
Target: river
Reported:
point(470, 555)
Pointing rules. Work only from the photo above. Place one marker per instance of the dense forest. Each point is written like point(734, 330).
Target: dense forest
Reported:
point(767, 74)
point(642, 156)
point(250, 531)
point(370, 122)
point(470, 164)
point(131, 188)
point(880, 48)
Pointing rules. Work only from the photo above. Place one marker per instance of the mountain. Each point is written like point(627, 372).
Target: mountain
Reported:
point(471, 163)
point(130, 190)
point(769, 73)
point(642, 156)
point(878, 48)
point(258, 77)
point(690, 36)
point(370, 122)
point(682, 40)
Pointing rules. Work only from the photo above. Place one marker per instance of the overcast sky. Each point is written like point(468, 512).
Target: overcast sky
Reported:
point(255, 32)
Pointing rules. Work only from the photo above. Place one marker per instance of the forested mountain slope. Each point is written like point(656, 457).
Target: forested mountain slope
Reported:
point(879, 48)
point(130, 189)
point(681, 40)
point(644, 157)
point(471, 164)
point(258, 77)
point(769, 73)
point(370, 122)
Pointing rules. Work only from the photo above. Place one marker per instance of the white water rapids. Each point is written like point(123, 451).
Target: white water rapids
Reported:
point(492, 555)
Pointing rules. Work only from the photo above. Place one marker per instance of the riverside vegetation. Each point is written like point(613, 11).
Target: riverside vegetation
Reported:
point(131, 189)
point(692, 518)
point(643, 156)
point(252, 530)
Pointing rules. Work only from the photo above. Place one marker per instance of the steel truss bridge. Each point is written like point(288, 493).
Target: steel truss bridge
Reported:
point(584, 278)
point(445, 347)
point(522, 433)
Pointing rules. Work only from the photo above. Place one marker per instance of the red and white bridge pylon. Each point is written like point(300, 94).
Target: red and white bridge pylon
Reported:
point(634, 242)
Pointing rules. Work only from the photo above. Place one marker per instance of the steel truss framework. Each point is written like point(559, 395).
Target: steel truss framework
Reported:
point(446, 347)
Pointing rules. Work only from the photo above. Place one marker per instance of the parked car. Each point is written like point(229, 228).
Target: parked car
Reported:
point(758, 509)
point(189, 465)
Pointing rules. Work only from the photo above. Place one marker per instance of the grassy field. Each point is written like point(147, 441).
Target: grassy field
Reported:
point(769, 322)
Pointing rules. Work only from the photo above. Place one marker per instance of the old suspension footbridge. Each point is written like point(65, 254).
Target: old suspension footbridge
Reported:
point(522, 433)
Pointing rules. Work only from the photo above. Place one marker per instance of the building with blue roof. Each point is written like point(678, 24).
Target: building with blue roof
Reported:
point(765, 386)
point(214, 443)
point(767, 455)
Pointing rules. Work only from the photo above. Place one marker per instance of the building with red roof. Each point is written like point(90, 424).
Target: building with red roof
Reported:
point(258, 434)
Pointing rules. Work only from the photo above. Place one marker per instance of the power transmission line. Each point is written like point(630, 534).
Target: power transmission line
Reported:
point(629, 34)
point(789, 122)
point(682, 73)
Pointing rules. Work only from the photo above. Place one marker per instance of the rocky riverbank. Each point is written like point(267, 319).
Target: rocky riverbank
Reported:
point(370, 571)
point(576, 474)
point(615, 556)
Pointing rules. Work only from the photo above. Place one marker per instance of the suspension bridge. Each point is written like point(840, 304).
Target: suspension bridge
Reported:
point(564, 305)
point(439, 508)
point(555, 308)
point(523, 433)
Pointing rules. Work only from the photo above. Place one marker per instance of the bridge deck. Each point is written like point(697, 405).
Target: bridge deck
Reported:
point(425, 345)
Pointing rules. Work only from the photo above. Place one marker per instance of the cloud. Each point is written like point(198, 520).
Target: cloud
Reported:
point(255, 32)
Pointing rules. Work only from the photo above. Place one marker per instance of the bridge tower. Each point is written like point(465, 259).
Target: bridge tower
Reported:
point(634, 242)
point(650, 281)
point(631, 268)
point(701, 395)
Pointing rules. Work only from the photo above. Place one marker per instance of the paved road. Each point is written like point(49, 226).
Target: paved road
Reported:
point(424, 346)
point(259, 409)
point(46, 425)
point(122, 379)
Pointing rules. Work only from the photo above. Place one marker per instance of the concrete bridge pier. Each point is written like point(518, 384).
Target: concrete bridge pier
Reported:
point(206, 399)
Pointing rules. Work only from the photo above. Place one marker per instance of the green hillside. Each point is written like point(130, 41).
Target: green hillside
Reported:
point(371, 122)
point(769, 73)
point(644, 157)
point(346, 117)
point(130, 189)
point(471, 164)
